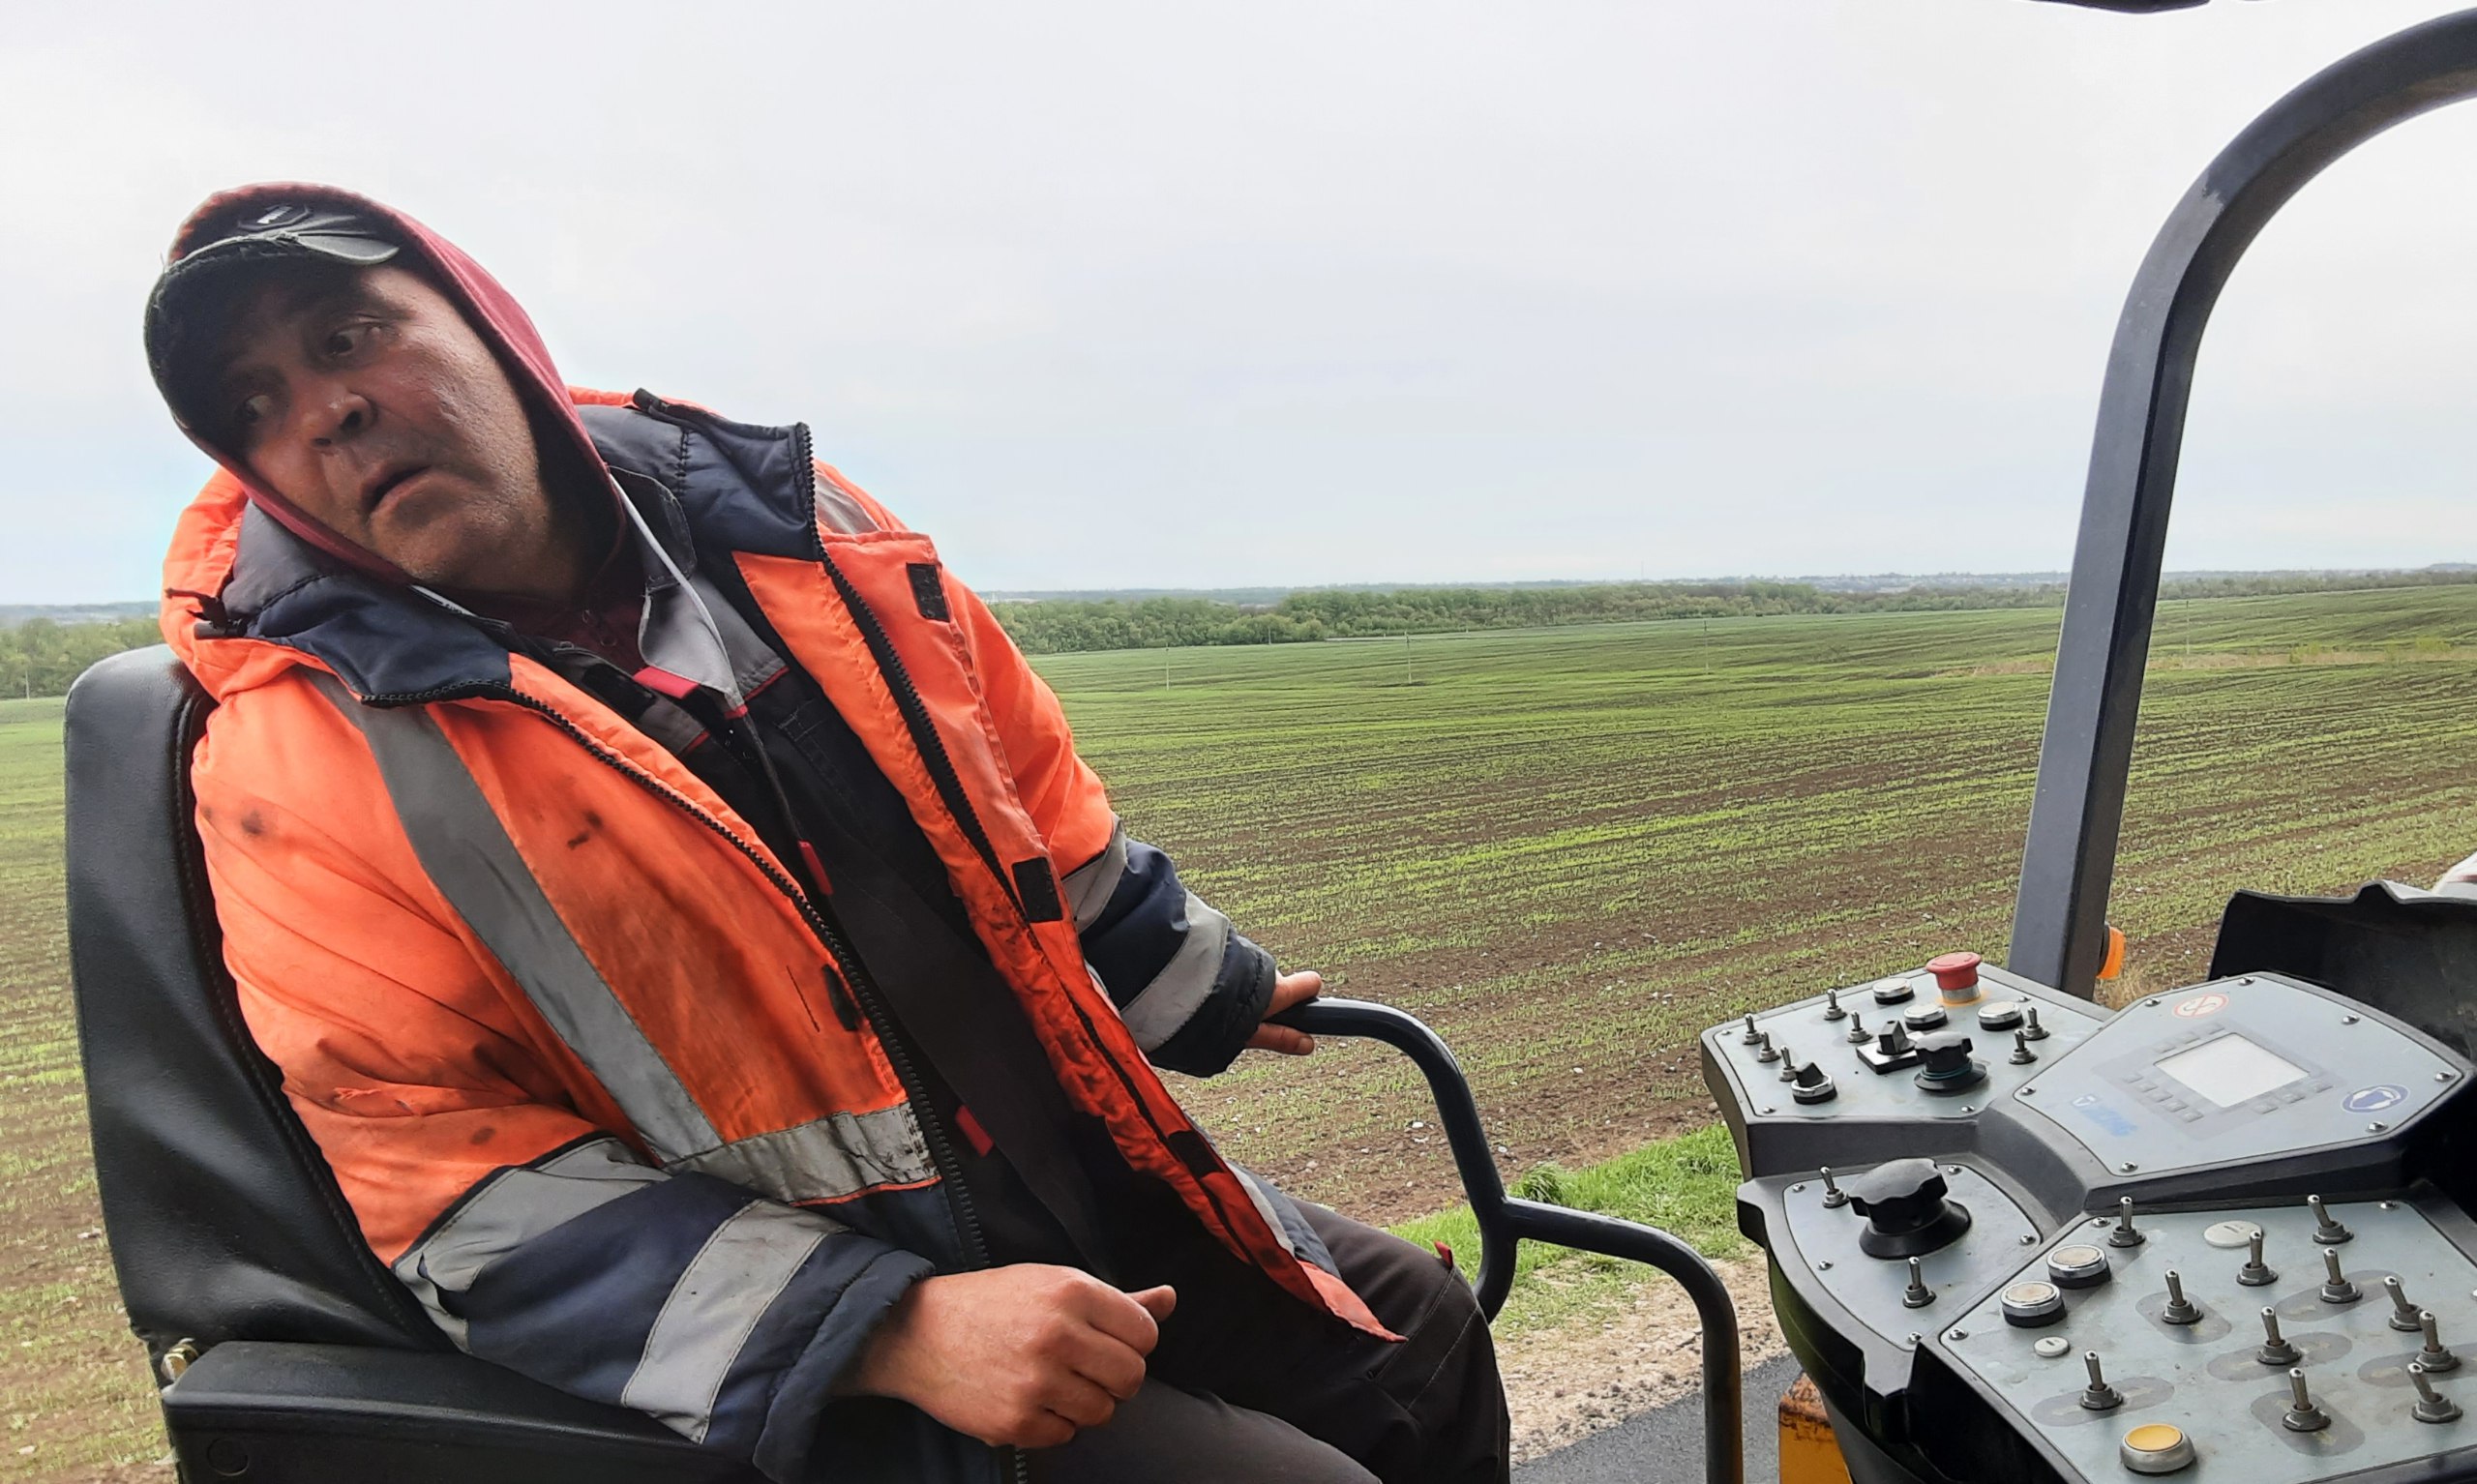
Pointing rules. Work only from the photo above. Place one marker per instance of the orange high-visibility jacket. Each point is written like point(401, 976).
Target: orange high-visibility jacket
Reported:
point(557, 1017)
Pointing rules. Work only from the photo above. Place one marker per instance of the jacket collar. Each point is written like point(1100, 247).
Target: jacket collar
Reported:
point(696, 479)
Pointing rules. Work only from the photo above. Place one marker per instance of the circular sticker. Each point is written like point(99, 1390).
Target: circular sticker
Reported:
point(2199, 1005)
point(2376, 1099)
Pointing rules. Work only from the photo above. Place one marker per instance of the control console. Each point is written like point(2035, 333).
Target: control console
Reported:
point(2015, 1235)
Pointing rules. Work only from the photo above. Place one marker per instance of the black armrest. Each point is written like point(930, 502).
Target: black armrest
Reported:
point(276, 1414)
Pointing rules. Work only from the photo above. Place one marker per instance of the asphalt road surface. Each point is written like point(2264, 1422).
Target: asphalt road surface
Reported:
point(1665, 1445)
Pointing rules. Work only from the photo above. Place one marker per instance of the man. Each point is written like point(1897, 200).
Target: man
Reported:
point(683, 922)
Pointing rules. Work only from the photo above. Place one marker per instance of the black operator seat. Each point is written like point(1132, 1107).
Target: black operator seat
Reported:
point(297, 1355)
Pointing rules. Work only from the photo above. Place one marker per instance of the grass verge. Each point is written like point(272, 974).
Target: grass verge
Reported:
point(1685, 1186)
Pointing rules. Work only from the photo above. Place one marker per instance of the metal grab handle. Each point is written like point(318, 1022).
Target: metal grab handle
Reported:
point(1504, 1221)
point(2059, 915)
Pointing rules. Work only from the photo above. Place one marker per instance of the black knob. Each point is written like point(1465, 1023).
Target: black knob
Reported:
point(1945, 1064)
point(1907, 1214)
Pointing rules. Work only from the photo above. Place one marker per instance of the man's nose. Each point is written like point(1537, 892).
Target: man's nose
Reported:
point(337, 415)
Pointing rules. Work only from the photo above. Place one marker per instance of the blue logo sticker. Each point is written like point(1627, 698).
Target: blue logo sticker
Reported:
point(2100, 1113)
point(2376, 1098)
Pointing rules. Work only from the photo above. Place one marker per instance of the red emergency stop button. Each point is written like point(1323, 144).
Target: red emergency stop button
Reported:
point(1956, 974)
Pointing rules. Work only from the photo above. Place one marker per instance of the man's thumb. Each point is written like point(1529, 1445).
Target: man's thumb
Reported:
point(1157, 1302)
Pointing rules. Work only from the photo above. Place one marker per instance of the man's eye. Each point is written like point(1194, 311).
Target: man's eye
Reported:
point(344, 340)
point(253, 410)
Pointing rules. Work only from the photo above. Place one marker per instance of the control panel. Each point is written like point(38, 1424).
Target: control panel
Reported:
point(2017, 1235)
point(2275, 1344)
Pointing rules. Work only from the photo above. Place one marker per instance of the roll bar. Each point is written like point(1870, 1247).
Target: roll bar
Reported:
point(2059, 914)
point(1505, 1221)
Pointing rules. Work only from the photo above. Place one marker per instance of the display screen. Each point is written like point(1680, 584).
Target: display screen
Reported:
point(2230, 1070)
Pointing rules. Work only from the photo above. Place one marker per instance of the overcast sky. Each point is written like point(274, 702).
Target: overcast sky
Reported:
point(1178, 295)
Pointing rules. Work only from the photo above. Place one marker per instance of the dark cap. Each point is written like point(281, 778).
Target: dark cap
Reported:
point(221, 251)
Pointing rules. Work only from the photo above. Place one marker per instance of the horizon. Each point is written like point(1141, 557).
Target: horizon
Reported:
point(1110, 295)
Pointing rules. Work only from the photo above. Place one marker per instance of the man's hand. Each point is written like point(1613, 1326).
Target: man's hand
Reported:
point(1289, 990)
point(1024, 1356)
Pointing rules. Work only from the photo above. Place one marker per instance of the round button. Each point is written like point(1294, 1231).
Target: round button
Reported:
point(1893, 990)
point(2155, 1447)
point(1999, 1015)
point(2078, 1267)
point(2052, 1348)
point(1955, 975)
point(1925, 1017)
point(2230, 1235)
point(2033, 1305)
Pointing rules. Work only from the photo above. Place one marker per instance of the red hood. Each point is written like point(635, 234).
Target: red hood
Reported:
point(490, 309)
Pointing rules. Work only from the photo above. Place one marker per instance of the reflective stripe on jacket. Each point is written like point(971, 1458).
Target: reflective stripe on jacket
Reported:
point(564, 1025)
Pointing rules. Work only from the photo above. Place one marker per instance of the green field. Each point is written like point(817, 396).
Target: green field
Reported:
point(1569, 850)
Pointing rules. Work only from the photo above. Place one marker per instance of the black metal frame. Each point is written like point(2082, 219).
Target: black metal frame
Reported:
point(2059, 914)
point(1505, 1221)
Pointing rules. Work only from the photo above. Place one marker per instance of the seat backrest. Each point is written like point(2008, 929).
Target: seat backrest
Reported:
point(225, 1221)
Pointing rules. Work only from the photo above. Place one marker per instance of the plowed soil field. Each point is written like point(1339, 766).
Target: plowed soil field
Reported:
point(1569, 850)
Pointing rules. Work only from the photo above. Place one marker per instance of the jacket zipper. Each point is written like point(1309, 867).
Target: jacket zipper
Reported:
point(932, 748)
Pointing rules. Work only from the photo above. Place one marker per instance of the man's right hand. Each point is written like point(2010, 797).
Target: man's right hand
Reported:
point(1024, 1356)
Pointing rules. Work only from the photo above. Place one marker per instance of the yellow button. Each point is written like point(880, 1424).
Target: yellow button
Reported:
point(2155, 1447)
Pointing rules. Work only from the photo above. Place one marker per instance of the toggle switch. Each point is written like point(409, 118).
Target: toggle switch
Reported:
point(2255, 1273)
point(2031, 1027)
point(1751, 1035)
point(2180, 1310)
point(2125, 1234)
point(1831, 1010)
point(2022, 1055)
point(1788, 1064)
point(2275, 1350)
point(1918, 1295)
point(2437, 1357)
point(2327, 1229)
point(2098, 1396)
point(2301, 1415)
point(2336, 1286)
point(2430, 1406)
point(1764, 1050)
point(1859, 1034)
point(2403, 1313)
point(1833, 1197)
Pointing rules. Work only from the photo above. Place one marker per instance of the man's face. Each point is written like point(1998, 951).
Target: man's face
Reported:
point(364, 400)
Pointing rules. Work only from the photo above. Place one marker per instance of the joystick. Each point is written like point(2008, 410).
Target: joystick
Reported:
point(1907, 1214)
point(1811, 1083)
point(1945, 1066)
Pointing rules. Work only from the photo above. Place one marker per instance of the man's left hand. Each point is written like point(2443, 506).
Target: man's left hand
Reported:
point(1289, 990)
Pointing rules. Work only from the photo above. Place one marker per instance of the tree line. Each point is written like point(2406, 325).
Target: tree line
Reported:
point(41, 656)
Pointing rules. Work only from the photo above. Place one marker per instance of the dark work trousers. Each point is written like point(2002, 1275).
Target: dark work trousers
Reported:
point(1250, 1385)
